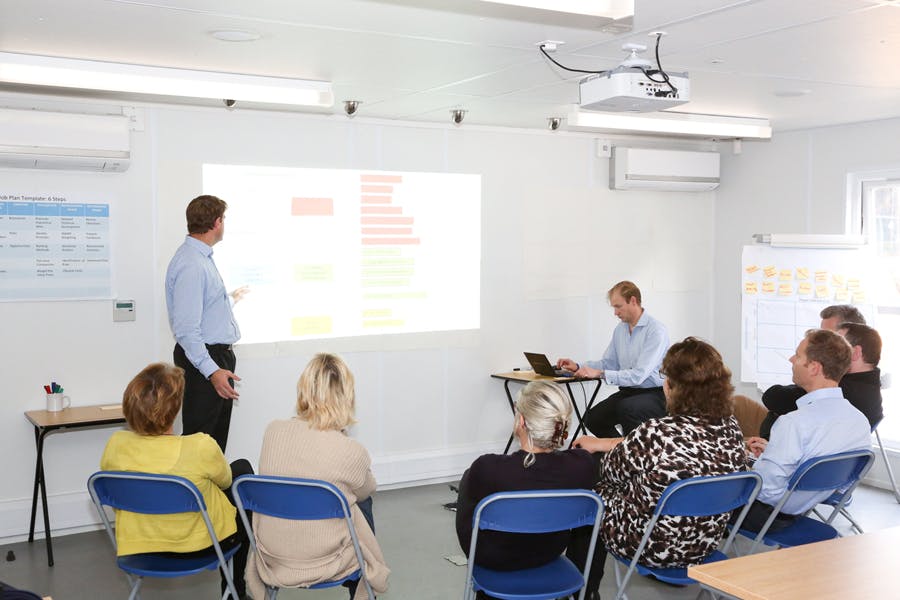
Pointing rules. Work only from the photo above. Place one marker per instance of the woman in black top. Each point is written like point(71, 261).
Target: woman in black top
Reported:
point(541, 426)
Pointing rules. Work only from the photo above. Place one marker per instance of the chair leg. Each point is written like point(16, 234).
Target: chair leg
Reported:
point(621, 582)
point(230, 591)
point(271, 593)
point(136, 589)
point(887, 465)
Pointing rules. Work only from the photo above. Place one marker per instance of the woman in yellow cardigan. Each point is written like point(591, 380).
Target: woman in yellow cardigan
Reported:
point(151, 403)
point(315, 445)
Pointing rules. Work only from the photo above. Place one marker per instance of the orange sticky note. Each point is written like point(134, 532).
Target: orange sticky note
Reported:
point(768, 287)
point(786, 289)
point(750, 287)
point(752, 269)
point(802, 273)
point(770, 271)
point(785, 275)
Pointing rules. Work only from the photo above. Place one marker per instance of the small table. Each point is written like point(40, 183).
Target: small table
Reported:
point(44, 422)
point(526, 377)
point(858, 566)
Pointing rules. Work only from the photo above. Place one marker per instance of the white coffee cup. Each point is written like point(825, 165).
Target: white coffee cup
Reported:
point(57, 402)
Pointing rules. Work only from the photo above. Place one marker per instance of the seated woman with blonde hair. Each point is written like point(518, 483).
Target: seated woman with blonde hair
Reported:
point(542, 414)
point(150, 404)
point(315, 445)
point(698, 437)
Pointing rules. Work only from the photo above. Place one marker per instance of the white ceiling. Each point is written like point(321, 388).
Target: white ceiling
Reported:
point(417, 60)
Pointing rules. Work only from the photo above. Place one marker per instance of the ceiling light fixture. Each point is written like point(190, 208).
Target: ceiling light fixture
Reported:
point(49, 71)
point(611, 9)
point(677, 124)
point(235, 35)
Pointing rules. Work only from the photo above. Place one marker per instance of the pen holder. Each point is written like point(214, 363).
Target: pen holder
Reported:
point(57, 402)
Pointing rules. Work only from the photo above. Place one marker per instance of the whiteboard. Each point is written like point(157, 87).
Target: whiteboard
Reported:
point(782, 292)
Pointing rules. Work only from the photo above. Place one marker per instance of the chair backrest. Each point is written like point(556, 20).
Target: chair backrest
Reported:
point(146, 493)
point(538, 511)
point(291, 498)
point(297, 499)
point(709, 495)
point(831, 472)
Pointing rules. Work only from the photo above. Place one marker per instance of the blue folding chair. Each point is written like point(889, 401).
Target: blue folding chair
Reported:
point(827, 473)
point(537, 511)
point(152, 494)
point(297, 499)
point(695, 497)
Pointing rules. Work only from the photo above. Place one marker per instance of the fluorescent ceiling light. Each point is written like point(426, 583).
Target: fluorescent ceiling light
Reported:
point(611, 9)
point(800, 240)
point(161, 81)
point(671, 123)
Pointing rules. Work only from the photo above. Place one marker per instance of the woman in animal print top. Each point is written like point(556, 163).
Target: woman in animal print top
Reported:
point(699, 436)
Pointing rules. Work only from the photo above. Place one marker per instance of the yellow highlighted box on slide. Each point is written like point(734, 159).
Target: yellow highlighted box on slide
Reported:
point(311, 325)
point(314, 273)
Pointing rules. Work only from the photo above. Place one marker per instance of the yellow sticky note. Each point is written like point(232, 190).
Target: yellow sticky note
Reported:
point(821, 291)
point(751, 269)
point(768, 287)
point(750, 287)
point(785, 275)
point(786, 289)
point(837, 280)
point(770, 271)
point(802, 273)
point(805, 289)
point(859, 297)
point(842, 295)
point(853, 284)
point(821, 276)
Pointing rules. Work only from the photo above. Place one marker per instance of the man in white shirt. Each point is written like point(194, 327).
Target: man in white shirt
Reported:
point(824, 423)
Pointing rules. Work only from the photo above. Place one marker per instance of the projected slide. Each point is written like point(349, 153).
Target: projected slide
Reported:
point(340, 253)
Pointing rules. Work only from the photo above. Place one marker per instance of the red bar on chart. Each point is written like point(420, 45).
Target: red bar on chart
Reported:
point(382, 210)
point(386, 220)
point(387, 230)
point(376, 189)
point(312, 207)
point(373, 178)
point(379, 241)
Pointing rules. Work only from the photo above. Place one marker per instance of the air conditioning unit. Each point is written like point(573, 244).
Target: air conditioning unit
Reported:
point(34, 139)
point(664, 170)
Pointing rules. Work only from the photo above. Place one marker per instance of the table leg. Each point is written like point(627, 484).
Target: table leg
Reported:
point(512, 407)
point(587, 408)
point(40, 483)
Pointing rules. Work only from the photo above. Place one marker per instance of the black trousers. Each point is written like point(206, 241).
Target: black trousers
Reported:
point(758, 514)
point(628, 407)
point(204, 411)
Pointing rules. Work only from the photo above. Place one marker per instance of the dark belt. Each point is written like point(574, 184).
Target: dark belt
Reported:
point(218, 346)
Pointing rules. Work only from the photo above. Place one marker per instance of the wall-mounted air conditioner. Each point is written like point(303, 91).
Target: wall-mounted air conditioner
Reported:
point(34, 139)
point(665, 170)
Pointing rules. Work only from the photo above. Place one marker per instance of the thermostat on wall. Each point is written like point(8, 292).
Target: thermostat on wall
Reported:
point(123, 310)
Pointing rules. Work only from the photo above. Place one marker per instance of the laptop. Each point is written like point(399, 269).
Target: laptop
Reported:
point(541, 365)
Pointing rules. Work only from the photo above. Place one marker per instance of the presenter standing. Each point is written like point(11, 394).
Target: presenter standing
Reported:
point(632, 361)
point(203, 324)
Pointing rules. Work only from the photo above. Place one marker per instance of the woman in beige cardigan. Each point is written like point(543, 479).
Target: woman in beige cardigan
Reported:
point(314, 445)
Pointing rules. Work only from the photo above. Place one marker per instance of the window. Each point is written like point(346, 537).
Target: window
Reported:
point(875, 212)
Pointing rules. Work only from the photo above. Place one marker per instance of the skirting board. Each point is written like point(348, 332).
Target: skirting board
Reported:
point(73, 512)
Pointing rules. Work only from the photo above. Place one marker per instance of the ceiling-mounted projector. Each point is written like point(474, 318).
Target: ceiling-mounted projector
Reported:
point(634, 86)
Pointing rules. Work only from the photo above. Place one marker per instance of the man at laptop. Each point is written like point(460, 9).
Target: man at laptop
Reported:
point(632, 362)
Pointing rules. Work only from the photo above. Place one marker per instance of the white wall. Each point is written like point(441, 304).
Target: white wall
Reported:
point(554, 238)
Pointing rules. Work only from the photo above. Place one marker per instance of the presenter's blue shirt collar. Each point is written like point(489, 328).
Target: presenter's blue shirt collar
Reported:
point(202, 247)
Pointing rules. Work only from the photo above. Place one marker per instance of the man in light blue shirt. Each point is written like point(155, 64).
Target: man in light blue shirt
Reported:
point(632, 362)
point(202, 322)
point(824, 423)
